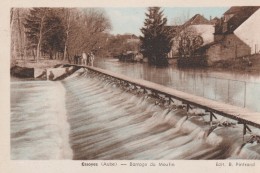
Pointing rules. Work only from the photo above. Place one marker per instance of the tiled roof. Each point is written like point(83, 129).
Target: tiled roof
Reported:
point(197, 20)
point(233, 10)
point(240, 15)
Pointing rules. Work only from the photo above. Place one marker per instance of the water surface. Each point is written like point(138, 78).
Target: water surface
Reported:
point(235, 88)
point(85, 117)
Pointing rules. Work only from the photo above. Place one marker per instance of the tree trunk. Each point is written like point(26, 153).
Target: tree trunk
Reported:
point(25, 48)
point(67, 36)
point(33, 55)
point(13, 36)
point(51, 54)
point(20, 35)
point(40, 39)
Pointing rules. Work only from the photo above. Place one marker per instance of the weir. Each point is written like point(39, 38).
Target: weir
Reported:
point(95, 114)
point(241, 115)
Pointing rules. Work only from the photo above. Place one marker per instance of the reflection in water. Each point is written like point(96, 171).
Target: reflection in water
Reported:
point(233, 88)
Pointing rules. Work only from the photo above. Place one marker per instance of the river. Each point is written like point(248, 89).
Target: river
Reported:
point(85, 117)
point(235, 88)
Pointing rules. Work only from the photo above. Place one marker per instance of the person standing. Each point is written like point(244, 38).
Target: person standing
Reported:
point(92, 59)
point(84, 58)
point(88, 59)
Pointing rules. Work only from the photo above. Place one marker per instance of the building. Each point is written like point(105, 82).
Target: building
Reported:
point(132, 39)
point(196, 26)
point(236, 34)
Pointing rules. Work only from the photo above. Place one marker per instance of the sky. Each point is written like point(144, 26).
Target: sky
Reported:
point(130, 20)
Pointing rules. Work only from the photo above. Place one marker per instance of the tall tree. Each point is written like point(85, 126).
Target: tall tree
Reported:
point(53, 40)
point(67, 25)
point(156, 41)
point(62, 30)
point(17, 30)
point(87, 30)
point(35, 27)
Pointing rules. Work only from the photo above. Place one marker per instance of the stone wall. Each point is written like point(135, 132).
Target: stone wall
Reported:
point(230, 47)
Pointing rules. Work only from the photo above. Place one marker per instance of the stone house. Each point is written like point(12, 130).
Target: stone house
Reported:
point(197, 25)
point(232, 38)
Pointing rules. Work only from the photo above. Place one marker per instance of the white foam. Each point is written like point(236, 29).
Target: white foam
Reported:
point(39, 128)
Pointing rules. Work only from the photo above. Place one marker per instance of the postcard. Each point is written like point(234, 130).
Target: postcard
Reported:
point(113, 86)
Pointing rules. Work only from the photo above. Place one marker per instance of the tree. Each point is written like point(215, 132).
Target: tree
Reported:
point(53, 40)
point(87, 30)
point(119, 44)
point(67, 25)
point(18, 40)
point(35, 28)
point(156, 41)
point(188, 48)
point(189, 42)
point(57, 31)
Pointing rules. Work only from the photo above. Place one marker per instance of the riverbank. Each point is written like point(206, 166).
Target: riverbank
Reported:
point(247, 64)
point(41, 64)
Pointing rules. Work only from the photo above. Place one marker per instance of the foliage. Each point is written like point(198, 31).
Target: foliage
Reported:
point(156, 41)
point(88, 30)
point(18, 38)
point(189, 42)
point(58, 32)
point(120, 44)
point(54, 39)
point(33, 23)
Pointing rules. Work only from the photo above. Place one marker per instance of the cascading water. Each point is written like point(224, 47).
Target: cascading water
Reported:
point(87, 117)
point(39, 126)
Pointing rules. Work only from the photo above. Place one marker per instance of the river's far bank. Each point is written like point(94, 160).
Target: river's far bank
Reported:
point(247, 64)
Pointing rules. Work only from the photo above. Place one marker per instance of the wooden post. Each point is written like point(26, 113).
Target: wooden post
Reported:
point(235, 51)
point(215, 88)
point(245, 96)
point(170, 99)
point(211, 117)
point(188, 107)
point(245, 128)
point(144, 92)
point(228, 90)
